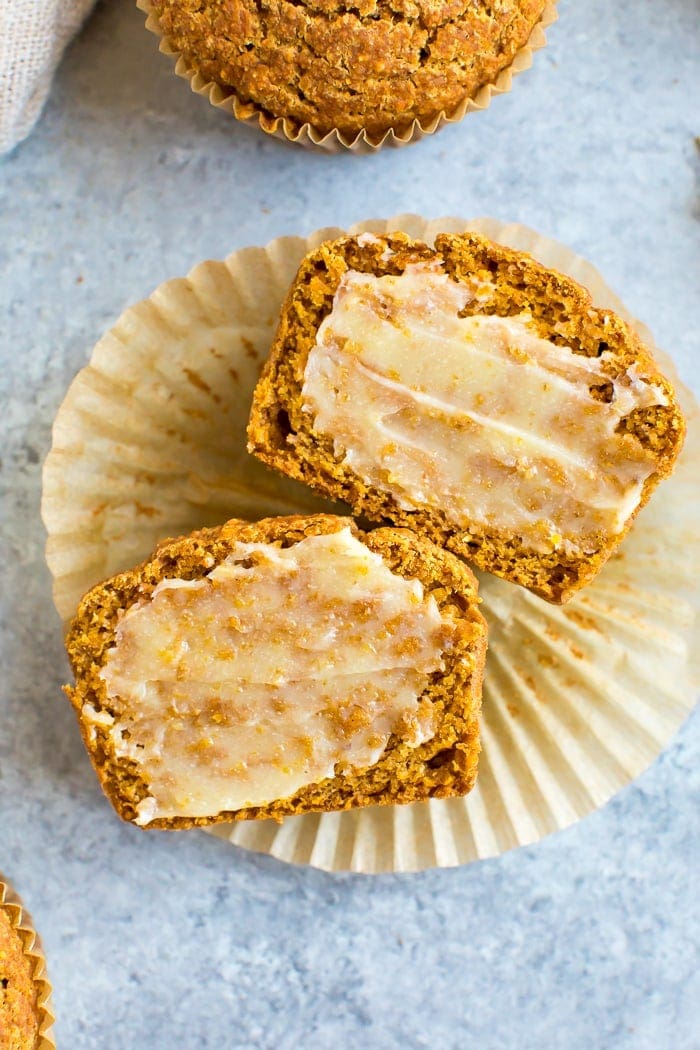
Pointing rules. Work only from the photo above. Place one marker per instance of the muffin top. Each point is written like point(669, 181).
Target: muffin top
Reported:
point(19, 1019)
point(350, 64)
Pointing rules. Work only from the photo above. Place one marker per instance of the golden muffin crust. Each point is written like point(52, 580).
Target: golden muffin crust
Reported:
point(19, 1020)
point(369, 64)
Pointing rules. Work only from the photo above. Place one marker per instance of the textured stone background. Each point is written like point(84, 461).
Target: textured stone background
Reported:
point(588, 940)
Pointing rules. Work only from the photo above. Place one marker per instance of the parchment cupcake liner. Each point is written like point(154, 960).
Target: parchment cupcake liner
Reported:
point(21, 922)
point(334, 141)
point(578, 700)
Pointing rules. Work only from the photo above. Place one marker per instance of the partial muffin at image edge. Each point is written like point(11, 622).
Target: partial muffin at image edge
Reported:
point(529, 454)
point(380, 68)
point(26, 1018)
point(286, 666)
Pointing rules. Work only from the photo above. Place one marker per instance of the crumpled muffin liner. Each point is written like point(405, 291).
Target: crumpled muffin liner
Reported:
point(578, 700)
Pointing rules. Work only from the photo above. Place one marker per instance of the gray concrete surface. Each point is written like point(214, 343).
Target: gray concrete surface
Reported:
point(588, 940)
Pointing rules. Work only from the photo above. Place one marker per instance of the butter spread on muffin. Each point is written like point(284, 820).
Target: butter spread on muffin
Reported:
point(505, 432)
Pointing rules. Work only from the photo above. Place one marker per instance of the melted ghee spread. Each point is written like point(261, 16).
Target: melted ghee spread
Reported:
point(477, 416)
point(280, 668)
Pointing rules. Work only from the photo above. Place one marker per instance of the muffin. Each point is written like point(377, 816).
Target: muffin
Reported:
point(471, 394)
point(373, 67)
point(292, 665)
point(572, 707)
point(25, 1019)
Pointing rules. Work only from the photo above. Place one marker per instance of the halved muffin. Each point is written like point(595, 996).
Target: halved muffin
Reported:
point(285, 666)
point(471, 394)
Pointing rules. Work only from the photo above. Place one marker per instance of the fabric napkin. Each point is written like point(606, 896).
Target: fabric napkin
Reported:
point(33, 35)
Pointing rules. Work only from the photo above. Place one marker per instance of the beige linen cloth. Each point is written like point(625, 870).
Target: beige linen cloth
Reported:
point(33, 35)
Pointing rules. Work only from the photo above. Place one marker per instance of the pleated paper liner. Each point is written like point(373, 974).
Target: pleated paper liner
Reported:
point(578, 700)
point(334, 141)
point(21, 923)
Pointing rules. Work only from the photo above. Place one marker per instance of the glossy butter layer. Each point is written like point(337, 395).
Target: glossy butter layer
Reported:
point(476, 416)
point(278, 669)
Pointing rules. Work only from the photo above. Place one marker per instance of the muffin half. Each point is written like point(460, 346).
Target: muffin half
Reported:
point(286, 666)
point(471, 394)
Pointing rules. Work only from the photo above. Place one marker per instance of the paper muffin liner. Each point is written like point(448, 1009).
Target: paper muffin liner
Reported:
point(578, 700)
point(335, 141)
point(21, 922)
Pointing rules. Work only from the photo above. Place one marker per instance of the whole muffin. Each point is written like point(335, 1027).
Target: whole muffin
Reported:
point(20, 1009)
point(350, 65)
